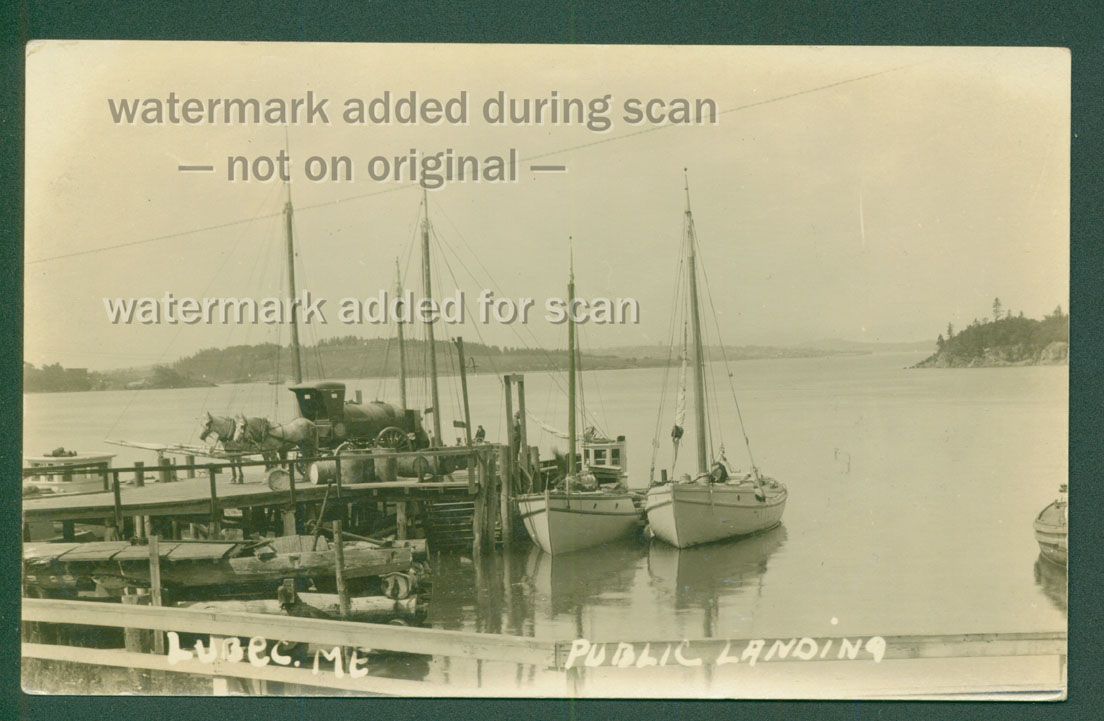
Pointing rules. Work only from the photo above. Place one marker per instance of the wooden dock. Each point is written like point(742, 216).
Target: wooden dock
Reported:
point(464, 503)
point(192, 496)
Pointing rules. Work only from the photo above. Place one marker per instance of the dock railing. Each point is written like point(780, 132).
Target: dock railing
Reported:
point(256, 660)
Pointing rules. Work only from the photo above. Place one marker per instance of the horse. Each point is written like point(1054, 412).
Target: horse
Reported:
point(224, 428)
point(260, 433)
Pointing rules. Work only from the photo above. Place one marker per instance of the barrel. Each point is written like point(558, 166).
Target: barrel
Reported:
point(354, 469)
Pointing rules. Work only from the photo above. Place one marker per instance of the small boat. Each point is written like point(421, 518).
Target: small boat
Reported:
point(580, 513)
point(718, 502)
point(1052, 528)
point(62, 471)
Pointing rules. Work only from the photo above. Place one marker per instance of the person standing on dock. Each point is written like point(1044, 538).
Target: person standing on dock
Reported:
point(480, 434)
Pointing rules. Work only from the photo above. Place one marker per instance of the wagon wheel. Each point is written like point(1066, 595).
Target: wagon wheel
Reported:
point(393, 438)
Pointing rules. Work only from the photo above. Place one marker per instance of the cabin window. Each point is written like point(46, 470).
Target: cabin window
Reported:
point(600, 456)
point(615, 456)
point(306, 396)
point(333, 396)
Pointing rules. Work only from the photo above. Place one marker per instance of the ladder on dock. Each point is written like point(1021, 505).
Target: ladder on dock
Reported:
point(448, 524)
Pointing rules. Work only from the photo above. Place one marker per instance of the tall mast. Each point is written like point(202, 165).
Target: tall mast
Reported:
point(570, 370)
point(695, 320)
point(402, 345)
point(296, 361)
point(427, 287)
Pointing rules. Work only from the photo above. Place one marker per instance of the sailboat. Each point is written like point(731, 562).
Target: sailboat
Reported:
point(718, 502)
point(572, 519)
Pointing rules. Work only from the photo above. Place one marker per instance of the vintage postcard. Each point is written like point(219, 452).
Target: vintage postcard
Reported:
point(546, 371)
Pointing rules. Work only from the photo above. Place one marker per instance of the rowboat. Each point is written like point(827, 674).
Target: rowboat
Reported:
point(718, 501)
point(1052, 529)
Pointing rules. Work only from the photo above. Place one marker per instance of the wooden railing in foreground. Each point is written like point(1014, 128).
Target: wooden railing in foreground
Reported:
point(568, 657)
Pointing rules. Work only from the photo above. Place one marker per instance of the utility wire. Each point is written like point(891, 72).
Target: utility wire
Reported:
point(407, 185)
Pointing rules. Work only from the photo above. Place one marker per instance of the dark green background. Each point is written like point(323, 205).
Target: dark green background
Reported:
point(1073, 25)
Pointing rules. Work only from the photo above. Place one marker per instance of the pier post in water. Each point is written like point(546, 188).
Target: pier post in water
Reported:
point(189, 461)
point(216, 512)
point(155, 587)
point(480, 503)
point(339, 569)
point(505, 498)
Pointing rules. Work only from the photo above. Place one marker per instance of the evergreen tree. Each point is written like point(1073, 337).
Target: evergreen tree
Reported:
point(997, 309)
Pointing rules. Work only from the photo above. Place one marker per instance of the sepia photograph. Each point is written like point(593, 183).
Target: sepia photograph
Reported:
point(545, 371)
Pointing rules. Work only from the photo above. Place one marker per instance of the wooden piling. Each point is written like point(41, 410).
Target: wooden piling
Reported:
point(216, 512)
point(138, 640)
point(164, 468)
point(523, 442)
point(139, 474)
point(290, 525)
point(478, 512)
point(509, 386)
point(505, 496)
point(155, 588)
point(339, 569)
point(491, 502)
point(118, 501)
point(464, 390)
point(400, 520)
point(68, 531)
point(189, 461)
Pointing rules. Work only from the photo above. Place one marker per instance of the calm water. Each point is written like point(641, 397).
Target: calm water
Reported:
point(912, 495)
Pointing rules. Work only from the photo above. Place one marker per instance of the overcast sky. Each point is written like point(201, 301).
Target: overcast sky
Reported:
point(877, 209)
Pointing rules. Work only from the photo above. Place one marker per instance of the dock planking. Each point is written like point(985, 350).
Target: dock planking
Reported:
point(193, 497)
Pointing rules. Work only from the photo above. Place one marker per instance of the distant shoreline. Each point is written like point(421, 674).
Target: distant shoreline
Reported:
point(55, 379)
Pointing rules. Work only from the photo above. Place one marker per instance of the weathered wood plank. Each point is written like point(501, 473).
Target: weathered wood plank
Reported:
point(192, 497)
point(96, 551)
point(363, 608)
point(142, 552)
point(492, 647)
point(199, 551)
point(126, 659)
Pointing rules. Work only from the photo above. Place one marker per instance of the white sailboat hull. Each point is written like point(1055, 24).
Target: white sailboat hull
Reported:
point(562, 523)
point(685, 515)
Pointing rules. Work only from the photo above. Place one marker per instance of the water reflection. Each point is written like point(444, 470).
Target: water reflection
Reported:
point(596, 576)
point(701, 576)
point(1052, 580)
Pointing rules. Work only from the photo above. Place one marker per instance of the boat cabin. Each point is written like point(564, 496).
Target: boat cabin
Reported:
point(605, 458)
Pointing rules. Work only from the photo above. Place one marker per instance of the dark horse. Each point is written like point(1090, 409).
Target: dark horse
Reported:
point(266, 438)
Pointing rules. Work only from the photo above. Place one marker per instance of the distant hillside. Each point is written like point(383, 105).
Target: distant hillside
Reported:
point(1007, 341)
point(55, 379)
point(354, 357)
